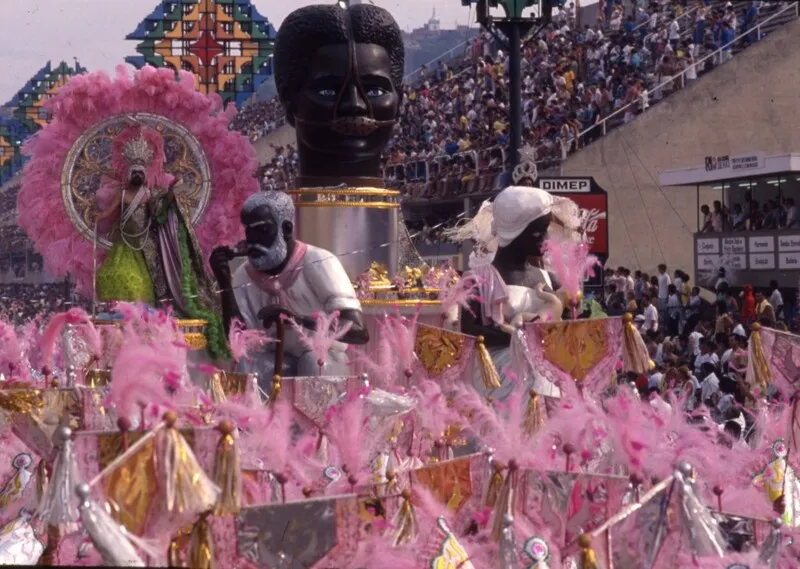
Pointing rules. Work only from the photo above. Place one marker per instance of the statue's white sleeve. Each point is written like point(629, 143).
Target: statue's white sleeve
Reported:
point(244, 290)
point(330, 283)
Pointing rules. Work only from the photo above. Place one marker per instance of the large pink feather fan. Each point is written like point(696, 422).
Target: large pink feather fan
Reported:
point(270, 452)
point(571, 262)
point(328, 330)
point(87, 100)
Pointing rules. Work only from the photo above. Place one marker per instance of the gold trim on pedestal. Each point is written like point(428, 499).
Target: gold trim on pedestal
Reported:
point(370, 198)
point(196, 341)
point(399, 302)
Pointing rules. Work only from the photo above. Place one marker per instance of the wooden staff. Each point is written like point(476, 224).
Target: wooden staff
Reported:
point(279, 336)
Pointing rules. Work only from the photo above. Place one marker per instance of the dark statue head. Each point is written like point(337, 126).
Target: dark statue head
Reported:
point(268, 220)
point(339, 74)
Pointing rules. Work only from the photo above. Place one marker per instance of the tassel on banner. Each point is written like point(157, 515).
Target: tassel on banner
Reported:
point(534, 414)
point(188, 488)
point(59, 504)
point(215, 388)
point(634, 351)
point(41, 480)
point(757, 360)
point(201, 545)
point(277, 387)
point(321, 449)
point(405, 521)
point(509, 556)
point(49, 556)
point(588, 556)
point(109, 537)
point(771, 549)
point(505, 502)
point(227, 472)
point(173, 554)
point(491, 380)
point(495, 484)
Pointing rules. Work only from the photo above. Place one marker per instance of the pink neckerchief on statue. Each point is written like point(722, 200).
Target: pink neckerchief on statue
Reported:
point(276, 285)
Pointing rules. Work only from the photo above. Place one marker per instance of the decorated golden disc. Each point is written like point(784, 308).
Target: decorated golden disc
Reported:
point(88, 167)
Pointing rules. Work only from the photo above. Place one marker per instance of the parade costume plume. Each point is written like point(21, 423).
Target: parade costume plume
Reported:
point(89, 99)
point(244, 342)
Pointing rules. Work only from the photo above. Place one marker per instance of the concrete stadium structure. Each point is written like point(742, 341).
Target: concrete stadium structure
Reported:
point(748, 105)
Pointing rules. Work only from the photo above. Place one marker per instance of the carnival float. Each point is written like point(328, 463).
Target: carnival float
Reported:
point(276, 380)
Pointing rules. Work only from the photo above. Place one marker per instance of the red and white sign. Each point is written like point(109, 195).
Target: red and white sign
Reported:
point(594, 215)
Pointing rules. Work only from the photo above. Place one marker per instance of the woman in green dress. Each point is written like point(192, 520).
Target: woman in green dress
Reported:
point(124, 275)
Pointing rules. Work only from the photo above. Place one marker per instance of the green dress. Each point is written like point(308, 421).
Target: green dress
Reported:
point(124, 275)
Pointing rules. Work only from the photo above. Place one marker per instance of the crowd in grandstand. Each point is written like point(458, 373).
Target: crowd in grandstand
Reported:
point(258, 118)
point(20, 303)
point(777, 213)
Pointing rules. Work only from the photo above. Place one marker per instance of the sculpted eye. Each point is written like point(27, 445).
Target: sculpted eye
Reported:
point(326, 92)
point(376, 92)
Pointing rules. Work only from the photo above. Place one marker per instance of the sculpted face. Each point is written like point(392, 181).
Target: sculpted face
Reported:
point(347, 108)
point(267, 246)
point(533, 236)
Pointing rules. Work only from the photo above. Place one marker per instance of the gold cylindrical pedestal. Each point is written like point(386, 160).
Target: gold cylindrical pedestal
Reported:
point(359, 226)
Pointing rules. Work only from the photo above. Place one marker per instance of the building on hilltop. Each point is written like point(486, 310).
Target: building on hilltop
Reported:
point(227, 44)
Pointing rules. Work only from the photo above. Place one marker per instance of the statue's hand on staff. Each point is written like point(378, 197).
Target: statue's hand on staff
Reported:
point(272, 313)
point(220, 264)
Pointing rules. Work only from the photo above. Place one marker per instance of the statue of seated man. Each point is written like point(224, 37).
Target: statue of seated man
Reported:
point(284, 277)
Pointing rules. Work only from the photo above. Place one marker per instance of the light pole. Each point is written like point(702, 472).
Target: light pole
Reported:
point(513, 26)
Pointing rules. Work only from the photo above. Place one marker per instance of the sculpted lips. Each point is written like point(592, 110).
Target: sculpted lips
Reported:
point(357, 126)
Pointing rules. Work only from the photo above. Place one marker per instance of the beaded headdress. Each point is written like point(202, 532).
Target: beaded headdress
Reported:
point(138, 152)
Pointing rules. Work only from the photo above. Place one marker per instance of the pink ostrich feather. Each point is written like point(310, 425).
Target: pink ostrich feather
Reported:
point(89, 99)
point(243, 342)
point(52, 333)
point(137, 379)
point(327, 332)
point(12, 354)
point(459, 294)
point(571, 262)
point(346, 429)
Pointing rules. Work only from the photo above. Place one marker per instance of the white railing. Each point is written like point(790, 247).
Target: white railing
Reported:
point(644, 99)
point(446, 56)
point(647, 23)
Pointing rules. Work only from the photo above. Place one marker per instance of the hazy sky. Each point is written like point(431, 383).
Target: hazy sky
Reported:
point(34, 31)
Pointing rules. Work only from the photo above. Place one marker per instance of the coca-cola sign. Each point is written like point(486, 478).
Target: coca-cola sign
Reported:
point(594, 219)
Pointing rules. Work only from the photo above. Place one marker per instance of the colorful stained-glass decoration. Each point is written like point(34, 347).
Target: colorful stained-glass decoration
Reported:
point(25, 114)
point(227, 44)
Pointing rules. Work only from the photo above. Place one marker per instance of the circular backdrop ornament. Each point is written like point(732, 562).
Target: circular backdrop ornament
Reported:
point(70, 166)
point(89, 161)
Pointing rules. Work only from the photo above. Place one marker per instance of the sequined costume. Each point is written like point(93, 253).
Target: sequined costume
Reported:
point(124, 275)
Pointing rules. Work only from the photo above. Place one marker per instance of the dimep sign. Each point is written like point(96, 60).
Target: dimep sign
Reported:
point(555, 185)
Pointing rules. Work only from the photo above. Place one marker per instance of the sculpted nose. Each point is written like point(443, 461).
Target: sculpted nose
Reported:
point(353, 102)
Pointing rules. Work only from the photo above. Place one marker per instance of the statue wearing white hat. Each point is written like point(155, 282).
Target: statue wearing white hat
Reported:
point(507, 260)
